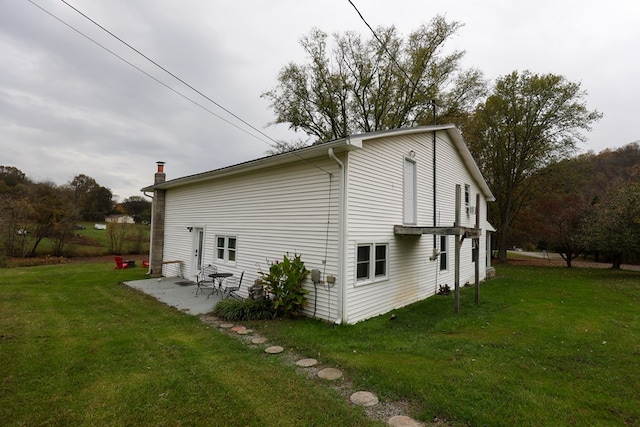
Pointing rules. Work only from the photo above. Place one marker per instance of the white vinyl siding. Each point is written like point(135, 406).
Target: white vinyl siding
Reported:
point(293, 208)
point(376, 202)
point(271, 212)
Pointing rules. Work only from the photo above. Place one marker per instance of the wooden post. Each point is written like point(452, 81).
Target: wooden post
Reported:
point(456, 298)
point(477, 254)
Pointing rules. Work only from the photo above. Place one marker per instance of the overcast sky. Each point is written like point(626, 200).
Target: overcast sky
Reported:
point(68, 107)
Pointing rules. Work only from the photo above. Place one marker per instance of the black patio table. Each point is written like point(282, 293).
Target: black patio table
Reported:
point(218, 277)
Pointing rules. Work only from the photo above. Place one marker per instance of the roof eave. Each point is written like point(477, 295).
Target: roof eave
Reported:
point(303, 154)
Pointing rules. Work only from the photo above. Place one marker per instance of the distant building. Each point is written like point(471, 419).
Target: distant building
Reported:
point(120, 219)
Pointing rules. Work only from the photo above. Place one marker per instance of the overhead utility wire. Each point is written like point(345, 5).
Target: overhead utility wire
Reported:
point(393, 59)
point(432, 104)
point(169, 72)
point(191, 87)
point(144, 72)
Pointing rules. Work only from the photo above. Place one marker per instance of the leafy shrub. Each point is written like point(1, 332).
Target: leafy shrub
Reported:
point(246, 309)
point(444, 290)
point(284, 284)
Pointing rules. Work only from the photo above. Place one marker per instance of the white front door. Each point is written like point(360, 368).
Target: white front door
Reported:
point(198, 248)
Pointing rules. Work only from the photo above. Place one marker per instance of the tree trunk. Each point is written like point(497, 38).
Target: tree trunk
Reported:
point(616, 261)
point(502, 242)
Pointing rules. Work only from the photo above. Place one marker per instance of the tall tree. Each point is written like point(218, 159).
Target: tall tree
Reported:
point(11, 177)
point(92, 201)
point(52, 214)
point(527, 122)
point(138, 207)
point(559, 200)
point(612, 226)
point(381, 83)
point(15, 210)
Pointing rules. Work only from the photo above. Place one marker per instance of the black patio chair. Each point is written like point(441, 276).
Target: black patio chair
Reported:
point(204, 281)
point(232, 285)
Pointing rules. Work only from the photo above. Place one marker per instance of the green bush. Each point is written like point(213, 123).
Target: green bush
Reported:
point(284, 284)
point(246, 309)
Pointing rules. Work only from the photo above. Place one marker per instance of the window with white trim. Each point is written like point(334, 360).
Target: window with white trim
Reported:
point(372, 262)
point(443, 253)
point(226, 247)
point(467, 195)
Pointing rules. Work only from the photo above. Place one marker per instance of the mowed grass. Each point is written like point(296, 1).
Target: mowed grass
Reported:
point(79, 349)
point(546, 347)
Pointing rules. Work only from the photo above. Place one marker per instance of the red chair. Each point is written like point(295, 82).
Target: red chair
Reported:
point(145, 263)
point(120, 263)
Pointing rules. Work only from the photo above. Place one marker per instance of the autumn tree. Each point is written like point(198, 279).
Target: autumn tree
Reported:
point(11, 178)
point(527, 122)
point(559, 199)
point(138, 207)
point(612, 226)
point(384, 82)
point(92, 201)
point(51, 215)
point(15, 210)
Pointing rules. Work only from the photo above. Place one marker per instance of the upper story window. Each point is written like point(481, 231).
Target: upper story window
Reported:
point(372, 261)
point(410, 196)
point(467, 195)
point(226, 247)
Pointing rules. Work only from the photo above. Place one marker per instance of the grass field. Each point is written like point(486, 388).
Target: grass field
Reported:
point(546, 347)
point(78, 349)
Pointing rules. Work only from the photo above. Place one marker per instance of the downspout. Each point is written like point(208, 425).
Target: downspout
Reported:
point(435, 222)
point(342, 266)
point(150, 234)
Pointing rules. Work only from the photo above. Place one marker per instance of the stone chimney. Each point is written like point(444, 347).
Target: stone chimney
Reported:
point(157, 224)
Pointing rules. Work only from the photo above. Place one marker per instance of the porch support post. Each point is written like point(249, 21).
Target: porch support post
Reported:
point(477, 250)
point(456, 298)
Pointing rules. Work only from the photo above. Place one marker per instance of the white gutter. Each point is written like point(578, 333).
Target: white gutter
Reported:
point(342, 265)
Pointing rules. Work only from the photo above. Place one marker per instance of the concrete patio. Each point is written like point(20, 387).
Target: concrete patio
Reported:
point(178, 293)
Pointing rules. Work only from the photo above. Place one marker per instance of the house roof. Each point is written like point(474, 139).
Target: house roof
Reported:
point(352, 142)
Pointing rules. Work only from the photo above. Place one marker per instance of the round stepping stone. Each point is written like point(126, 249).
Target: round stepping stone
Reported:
point(330, 374)
point(238, 328)
point(274, 349)
point(245, 331)
point(403, 421)
point(259, 340)
point(306, 363)
point(364, 398)
point(226, 325)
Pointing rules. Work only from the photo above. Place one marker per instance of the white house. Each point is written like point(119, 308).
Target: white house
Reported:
point(360, 210)
point(119, 219)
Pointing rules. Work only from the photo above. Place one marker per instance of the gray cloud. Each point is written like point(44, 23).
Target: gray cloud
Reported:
point(68, 107)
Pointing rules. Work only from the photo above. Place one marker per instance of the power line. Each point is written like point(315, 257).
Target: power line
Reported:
point(144, 72)
point(175, 77)
point(169, 72)
point(393, 59)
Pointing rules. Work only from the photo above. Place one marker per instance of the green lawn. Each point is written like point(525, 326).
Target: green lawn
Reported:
point(546, 347)
point(79, 349)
